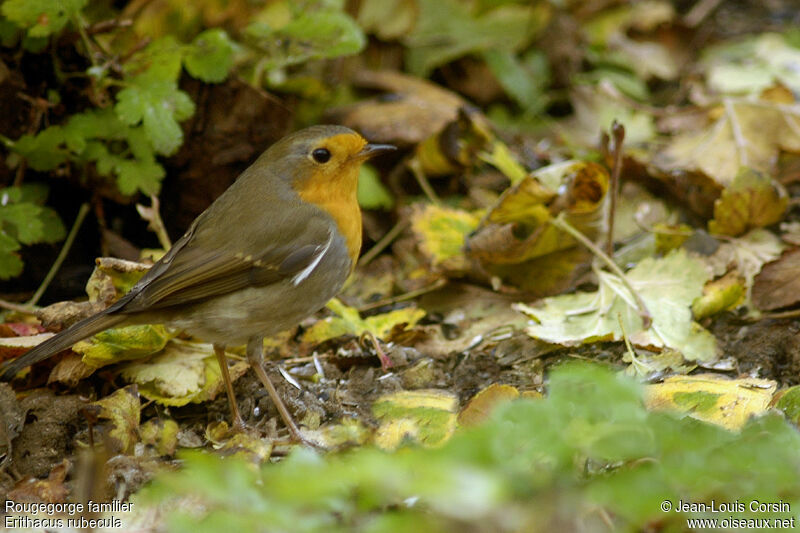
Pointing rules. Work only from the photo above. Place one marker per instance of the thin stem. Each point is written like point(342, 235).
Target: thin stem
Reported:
point(419, 175)
point(563, 225)
point(155, 223)
point(438, 284)
point(73, 232)
point(19, 308)
point(381, 245)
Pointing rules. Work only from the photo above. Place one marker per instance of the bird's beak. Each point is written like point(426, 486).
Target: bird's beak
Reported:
point(371, 150)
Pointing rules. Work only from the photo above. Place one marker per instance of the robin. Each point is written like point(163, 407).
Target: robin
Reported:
point(271, 250)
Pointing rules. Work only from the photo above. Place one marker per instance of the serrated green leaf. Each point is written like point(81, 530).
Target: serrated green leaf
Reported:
point(32, 223)
point(139, 175)
point(35, 193)
point(10, 263)
point(324, 34)
point(41, 17)
point(210, 57)
point(43, 151)
point(158, 105)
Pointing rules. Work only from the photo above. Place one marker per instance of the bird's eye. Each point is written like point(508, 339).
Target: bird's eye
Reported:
point(321, 155)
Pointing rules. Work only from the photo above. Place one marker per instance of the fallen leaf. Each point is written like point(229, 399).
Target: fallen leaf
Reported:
point(789, 403)
point(723, 294)
point(740, 133)
point(753, 200)
point(752, 65)
point(122, 409)
point(185, 372)
point(729, 403)
point(50, 490)
point(747, 254)
point(668, 286)
point(778, 283)
point(349, 321)
point(122, 344)
point(412, 110)
point(480, 406)
point(427, 417)
point(161, 434)
point(442, 232)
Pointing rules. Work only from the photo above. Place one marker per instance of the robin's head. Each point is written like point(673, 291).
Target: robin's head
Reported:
point(322, 157)
point(321, 164)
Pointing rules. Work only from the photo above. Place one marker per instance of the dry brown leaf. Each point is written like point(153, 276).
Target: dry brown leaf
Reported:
point(778, 283)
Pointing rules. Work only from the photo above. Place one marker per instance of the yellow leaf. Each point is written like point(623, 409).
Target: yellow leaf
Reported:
point(122, 409)
point(726, 402)
point(122, 344)
point(350, 322)
point(753, 200)
point(161, 434)
point(484, 402)
point(185, 372)
point(442, 232)
point(427, 417)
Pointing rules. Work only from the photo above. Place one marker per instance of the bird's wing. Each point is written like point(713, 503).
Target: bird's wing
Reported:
point(193, 272)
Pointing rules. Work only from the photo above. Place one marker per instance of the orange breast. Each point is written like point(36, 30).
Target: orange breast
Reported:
point(341, 203)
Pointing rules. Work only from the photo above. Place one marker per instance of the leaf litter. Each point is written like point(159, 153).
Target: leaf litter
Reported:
point(480, 292)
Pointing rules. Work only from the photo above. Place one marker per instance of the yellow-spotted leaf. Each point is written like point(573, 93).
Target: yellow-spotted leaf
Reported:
point(161, 434)
point(442, 232)
point(725, 402)
point(426, 417)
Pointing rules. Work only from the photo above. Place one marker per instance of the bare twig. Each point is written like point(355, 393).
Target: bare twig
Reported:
point(618, 131)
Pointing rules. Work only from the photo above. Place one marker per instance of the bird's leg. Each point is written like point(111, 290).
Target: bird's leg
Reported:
point(255, 347)
point(219, 351)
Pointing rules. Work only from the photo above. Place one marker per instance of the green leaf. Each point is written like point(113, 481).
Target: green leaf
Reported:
point(524, 86)
point(372, 194)
point(41, 17)
point(210, 57)
point(43, 151)
point(158, 105)
point(10, 263)
point(139, 175)
point(445, 31)
point(312, 35)
point(160, 61)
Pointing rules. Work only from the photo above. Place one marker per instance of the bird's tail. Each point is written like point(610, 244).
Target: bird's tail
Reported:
point(62, 341)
